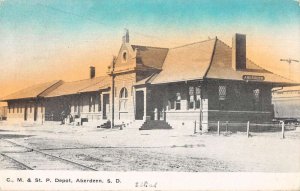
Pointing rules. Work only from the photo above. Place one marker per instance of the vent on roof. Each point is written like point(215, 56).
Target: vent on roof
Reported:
point(239, 52)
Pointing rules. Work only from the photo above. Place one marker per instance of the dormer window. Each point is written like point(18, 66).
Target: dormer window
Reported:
point(124, 56)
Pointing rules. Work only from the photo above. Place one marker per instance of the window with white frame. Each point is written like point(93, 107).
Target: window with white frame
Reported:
point(123, 97)
point(92, 103)
point(194, 97)
point(191, 104)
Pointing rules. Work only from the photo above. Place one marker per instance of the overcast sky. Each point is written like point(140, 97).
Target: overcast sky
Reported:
point(42, 41)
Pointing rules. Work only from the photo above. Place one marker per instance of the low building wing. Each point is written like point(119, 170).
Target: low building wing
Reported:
point(33, 91)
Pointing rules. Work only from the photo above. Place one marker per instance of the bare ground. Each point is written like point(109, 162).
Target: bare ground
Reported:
point(158, 150)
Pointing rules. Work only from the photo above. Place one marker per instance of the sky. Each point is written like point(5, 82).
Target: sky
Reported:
point(41, 41)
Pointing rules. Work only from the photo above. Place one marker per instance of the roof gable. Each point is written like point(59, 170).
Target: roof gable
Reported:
point(152, 57)
point(187, 62)
point(221, 67)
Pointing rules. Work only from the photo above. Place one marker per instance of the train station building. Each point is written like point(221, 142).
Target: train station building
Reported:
point(159, 87)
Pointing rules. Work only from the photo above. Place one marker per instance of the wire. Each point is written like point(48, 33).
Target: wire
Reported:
point(102, 23)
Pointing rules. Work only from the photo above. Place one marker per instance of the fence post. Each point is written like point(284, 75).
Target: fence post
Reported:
point(218, 127)
point(282, 129)
point(226, 126)
point(248, 128)
point(195, 127)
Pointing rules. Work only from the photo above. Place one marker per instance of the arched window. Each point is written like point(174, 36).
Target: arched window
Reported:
point(123, 99)
point(124, 56)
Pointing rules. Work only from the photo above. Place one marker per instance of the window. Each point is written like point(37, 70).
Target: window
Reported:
point(81, 104)
point(9, 108)
point(256, 99)
point(99, 103)
point(124, 56)
point(92, 104)
point(198, 97)
point(17, 109)
point(256, 95)
point(177, 102)
point(222, 92)
point(171, 103)
point(191, 97)
point(194, 97)
point(75, 106)
point(13, 108)
point(222, 97)
point(123, 99)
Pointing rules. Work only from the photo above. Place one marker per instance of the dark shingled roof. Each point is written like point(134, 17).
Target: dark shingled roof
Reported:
point(32, 91)
point(152, 57)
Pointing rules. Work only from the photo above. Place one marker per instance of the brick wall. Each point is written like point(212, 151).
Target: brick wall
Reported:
point(16, 111)
point(125, 80)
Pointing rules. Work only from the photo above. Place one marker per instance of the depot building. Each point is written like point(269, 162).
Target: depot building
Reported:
point(158, 87)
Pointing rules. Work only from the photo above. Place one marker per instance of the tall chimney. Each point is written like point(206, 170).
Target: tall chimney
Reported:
point(126, 36)
point(92, 72)
point(239, 52)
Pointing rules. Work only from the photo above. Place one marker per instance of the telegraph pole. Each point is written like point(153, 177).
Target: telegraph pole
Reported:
point(289, 60)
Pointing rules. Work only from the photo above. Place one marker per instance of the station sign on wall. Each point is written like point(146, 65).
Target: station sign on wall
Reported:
point(253, 78)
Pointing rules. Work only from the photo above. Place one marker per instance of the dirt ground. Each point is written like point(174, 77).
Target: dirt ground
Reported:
point(129, 149)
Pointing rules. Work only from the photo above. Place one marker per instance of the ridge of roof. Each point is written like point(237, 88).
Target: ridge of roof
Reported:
point(211, 58)
point(86, 79)
point(189, 44)
point(149, 46)
point(59, 82)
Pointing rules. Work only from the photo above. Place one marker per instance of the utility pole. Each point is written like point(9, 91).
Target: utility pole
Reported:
point(289, 60)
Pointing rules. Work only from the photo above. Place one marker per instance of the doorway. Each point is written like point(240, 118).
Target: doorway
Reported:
point(139, 105)
point(25, 113)
point(35, 113)
point(105, 106)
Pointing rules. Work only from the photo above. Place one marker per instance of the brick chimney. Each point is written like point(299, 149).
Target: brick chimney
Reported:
point(92, 72)
point(126, 37)
point(239, 52)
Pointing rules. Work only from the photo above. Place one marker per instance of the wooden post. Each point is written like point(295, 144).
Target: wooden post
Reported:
point(248, 128)
point(195, 127)
point(282, 129)
point(218, 127)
